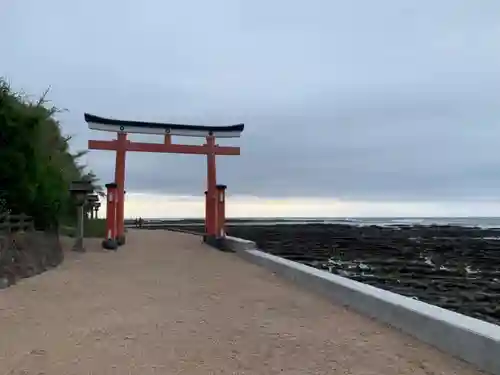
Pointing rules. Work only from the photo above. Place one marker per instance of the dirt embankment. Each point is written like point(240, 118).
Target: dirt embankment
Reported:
point(25, 254)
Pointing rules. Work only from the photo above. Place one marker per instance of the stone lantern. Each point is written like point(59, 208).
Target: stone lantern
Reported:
point(96, 208)
point(91, 201)
point(79, 191)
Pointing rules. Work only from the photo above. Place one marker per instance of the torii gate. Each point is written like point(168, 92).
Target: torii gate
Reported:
point(121, 145)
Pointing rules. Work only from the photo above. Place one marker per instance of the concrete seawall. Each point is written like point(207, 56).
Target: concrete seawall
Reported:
point(470, 339)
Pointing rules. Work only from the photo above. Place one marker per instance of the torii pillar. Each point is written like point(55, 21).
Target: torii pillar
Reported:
point(121, 151)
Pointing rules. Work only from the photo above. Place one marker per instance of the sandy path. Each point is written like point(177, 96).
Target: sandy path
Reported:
point(165, 304)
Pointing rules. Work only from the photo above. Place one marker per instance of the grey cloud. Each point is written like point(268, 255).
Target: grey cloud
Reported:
point(357, 100)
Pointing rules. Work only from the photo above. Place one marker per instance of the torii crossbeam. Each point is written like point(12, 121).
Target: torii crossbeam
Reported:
point(121, 145)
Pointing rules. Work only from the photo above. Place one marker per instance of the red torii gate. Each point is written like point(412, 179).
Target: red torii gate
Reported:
point(121, 145)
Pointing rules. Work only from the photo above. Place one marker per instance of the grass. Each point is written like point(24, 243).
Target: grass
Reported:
point(94, 228)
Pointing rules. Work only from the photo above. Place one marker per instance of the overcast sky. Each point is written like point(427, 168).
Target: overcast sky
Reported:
point(356, 100)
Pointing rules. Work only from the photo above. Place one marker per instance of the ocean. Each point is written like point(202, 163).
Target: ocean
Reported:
point(481, 222)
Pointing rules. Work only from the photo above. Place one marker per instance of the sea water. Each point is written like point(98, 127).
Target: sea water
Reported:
point(481, 222)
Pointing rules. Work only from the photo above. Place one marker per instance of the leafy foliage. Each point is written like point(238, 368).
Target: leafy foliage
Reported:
point(36, 165)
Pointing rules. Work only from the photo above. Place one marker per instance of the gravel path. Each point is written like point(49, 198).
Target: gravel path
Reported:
point(166, 304)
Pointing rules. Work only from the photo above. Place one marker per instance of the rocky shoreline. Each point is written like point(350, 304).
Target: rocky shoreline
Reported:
point(457, 268)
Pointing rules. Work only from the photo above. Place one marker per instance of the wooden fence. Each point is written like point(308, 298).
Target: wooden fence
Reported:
point(16, 223)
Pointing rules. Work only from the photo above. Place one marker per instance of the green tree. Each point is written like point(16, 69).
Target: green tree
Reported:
point(36, 165)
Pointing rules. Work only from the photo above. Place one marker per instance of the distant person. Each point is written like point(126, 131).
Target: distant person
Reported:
point(141, 222)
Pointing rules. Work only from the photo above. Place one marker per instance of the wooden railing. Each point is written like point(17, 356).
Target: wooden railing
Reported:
point(15, 223)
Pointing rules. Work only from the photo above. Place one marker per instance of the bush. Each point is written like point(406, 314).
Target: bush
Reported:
point(36, 166)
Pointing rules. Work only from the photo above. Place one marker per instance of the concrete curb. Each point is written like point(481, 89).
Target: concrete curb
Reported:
point(472, 340)
point(181, 231)
point(217, 243)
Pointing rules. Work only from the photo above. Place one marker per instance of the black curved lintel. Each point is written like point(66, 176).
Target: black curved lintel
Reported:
point(157, 125)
